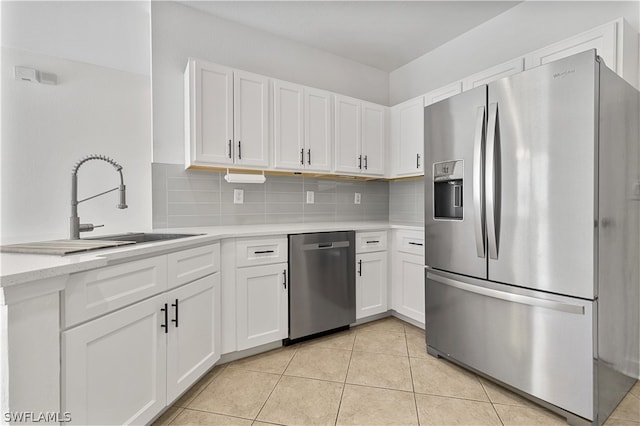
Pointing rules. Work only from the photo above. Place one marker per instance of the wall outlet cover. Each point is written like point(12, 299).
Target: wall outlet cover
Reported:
point(238, 196)
point(356, 199)
point(310, 197)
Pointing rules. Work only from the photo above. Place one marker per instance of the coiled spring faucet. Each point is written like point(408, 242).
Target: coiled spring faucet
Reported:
point(75, 227)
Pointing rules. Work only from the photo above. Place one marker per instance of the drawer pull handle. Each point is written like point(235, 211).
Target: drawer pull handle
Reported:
point(229, 148)
point(175, 320)
point(360, 267)
point(309, 157)
point(263, 251)
point(302, 157)
point(373, 242)
point(416, 244)
point(284, 281)
point(166, 318)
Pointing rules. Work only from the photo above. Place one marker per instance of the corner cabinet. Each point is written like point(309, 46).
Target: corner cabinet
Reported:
point(407, 137)
point(359, 137)
point(302, 128)
point(226, 116)
point(127, 365)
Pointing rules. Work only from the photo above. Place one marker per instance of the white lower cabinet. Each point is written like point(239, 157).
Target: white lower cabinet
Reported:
point(115, 367)
point(194, 334)
point(125, 367)
point(261, 304)
point(408, 285)
point(371, 284)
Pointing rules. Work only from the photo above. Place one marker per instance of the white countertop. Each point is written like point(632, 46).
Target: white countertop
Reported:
point(21, 268)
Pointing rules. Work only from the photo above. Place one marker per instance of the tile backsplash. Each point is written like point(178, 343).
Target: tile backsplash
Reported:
point(184, 198)
point(406, 202)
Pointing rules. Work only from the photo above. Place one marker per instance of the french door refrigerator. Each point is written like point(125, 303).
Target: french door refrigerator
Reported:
point(532, 234)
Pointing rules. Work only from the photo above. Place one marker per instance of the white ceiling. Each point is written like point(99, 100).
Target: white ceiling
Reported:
point(381, 34)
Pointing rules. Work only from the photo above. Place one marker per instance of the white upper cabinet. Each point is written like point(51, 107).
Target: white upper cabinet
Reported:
point(251, 119)
point(373, 136)
point(407, 136)
point(602, 38)
point(288, 126)
point(226, 116)
point(494, 73)
point(615, 42)
point(442, 93)
point(302, 128)
point(359, 136)
point(347, 139)
point(209, 113)
point(317, 129)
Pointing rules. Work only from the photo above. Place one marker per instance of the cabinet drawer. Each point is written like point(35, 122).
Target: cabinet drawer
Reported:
point(189, 265)
point(93, 293)
point(371, 241)
point(261, 251)
point(410, 242)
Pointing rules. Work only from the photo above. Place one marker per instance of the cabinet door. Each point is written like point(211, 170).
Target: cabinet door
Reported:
point(251, 115)
point(373, 136)
point(262, 304)
point(407, 129)
point(317, 130)
point(494, 73)
point(114, 367)
point(194, 333)
point(371, 284)
point(209, 110)
point(442, 93)
point(288, 126)
point(602, 38)
point(408, 285)
point(347, 135)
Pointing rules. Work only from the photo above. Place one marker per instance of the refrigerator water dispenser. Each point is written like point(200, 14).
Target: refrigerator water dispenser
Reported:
point(448, 189)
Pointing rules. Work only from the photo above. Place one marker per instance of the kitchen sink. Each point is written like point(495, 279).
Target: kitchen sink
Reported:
point(63, 247)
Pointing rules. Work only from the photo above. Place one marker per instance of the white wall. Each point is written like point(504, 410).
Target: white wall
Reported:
point(101, 104)
point(520, 30)
point(179, 32)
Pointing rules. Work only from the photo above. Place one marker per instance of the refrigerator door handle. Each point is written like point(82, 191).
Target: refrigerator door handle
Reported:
point(509, 297)
point(478, 187)
point(490, 185)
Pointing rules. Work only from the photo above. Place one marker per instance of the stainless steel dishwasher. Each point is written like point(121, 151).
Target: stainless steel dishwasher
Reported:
point(322, 289)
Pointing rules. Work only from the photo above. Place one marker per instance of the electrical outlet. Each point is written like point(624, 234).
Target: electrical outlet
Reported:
point(356, 199)
point(238, 196)
point(310, 197)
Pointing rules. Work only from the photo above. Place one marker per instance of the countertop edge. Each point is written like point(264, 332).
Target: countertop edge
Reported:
point(23, 268)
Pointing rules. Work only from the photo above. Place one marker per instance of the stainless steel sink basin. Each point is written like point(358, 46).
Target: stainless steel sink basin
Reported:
point(142, 237)
point(63, 247)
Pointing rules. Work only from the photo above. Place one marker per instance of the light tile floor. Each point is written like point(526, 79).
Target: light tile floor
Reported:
point(374, 374)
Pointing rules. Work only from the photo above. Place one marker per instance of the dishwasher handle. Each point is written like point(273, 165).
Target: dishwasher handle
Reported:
point(325, 245)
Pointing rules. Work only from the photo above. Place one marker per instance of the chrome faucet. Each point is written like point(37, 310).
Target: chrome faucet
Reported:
point(74, 221)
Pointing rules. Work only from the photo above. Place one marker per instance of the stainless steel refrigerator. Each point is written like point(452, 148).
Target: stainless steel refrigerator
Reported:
point(532, 234)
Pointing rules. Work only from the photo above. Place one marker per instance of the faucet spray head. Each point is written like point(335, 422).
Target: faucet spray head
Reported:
point(123, 198)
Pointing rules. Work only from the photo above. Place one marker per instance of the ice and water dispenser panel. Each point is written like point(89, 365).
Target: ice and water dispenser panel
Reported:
point(448, 190)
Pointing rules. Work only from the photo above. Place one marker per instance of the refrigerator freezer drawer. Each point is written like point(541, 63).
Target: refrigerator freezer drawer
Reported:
point(539, 343)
